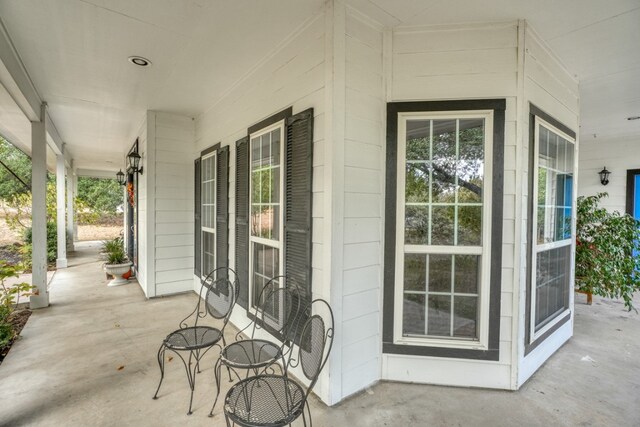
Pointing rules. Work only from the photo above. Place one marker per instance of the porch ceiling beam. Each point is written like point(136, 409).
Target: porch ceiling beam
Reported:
point(54, 140)
point(16, 80)
point(96, 173)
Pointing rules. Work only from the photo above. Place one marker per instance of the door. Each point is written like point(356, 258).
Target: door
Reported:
point(633, 195)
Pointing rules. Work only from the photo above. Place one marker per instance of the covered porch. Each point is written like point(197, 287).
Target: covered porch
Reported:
point(91, 361)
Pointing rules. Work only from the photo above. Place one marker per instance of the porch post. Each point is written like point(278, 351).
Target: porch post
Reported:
point(61, 261)
point(74, 186)
point(70, 207)
point(39, 212)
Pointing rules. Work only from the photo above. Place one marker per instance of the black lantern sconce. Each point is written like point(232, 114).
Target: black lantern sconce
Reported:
point(120, 176)
point(134, 162)
point(604, 176)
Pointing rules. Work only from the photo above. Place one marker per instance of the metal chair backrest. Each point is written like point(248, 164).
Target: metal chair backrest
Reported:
point(278, 309)
point(220, 289)
point(316, 340)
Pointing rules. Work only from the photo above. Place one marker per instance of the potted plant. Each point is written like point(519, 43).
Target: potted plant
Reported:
point(607, 252)
point(117, 263)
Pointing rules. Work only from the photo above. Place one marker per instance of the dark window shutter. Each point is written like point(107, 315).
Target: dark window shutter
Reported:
point(242, 219)
point(222, 208)
point(197, 232)
point(298, 197)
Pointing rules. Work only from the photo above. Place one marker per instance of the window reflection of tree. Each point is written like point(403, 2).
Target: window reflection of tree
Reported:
point(441, 164)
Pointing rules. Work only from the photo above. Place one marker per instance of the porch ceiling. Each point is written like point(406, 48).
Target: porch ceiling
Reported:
point(76, 54)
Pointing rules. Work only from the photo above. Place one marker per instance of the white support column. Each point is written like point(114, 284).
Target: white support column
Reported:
point(75, 193)
point(70, 208)
point(39, 213)
point(61, 261)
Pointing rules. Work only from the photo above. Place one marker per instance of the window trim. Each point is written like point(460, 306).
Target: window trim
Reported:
point(211, 154)
point(389, 347)
point(537, 248)
point(277, 244)
point(484, 250)
point(532, 344)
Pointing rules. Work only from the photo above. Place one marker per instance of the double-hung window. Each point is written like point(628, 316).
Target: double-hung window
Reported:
point(443, 228)
point(208, 212)
point(444, 198)
point(552, 222)
point(265, 193)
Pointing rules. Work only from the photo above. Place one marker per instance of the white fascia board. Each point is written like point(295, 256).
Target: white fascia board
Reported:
point(54, 140)
point(15, 78)
point(96, 173)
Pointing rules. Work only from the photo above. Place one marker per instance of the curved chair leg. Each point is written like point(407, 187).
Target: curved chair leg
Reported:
point(216, 371)
point(161, 351)
point(309, 411)
point(191, 377)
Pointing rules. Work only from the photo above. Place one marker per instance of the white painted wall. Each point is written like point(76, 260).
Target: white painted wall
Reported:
point(363, 195)
point(618, 155)
point(294, 76)
point(165, 218)
point(463, 62)
point(174, 194)
point(145, 251)
point(546, 84)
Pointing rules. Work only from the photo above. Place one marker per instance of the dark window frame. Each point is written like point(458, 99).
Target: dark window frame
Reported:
point(534, 112)
point(495, 286)
point(197, 265)
point(291, 121)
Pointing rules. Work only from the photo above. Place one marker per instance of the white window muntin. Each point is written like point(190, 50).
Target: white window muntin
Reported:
point(484, 250)
point(276, 244)
point(208, 194)
point(537, 248)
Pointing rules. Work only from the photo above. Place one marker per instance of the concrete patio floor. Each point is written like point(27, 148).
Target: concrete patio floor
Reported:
point(89, 359)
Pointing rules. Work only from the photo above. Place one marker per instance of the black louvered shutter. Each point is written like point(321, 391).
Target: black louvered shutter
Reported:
point(242, 219)
point(197, 232)
point(222, 208)
point(298, 197)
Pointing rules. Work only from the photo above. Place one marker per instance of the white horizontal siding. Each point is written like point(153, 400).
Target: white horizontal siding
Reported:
point(363, 200)
point(460, 63)
point(548, 86)
point(174, 198)
point(618, 155)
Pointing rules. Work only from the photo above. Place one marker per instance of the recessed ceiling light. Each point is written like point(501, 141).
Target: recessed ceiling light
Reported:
point(140, 61)
point(633, 118)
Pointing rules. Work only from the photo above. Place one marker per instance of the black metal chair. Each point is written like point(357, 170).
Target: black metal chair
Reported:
point(276, 310)
point(220, 295)
point(277, 400)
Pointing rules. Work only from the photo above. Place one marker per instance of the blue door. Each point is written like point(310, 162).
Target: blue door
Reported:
point(633, 196)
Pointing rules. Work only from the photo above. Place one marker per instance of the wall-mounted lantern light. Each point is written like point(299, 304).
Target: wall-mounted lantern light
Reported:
point(134, 162)
point(120, 176)
point(604, 176)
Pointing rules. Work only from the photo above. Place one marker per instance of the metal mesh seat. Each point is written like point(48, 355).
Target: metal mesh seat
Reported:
point(277, 400)
point(250, 353)
point(277, 308)
point(265, 400)
point(192, 338)
point(220, 295)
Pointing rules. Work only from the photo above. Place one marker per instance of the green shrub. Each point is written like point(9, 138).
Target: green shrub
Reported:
point(606, 248)
point(9, 298)
point(52, 243)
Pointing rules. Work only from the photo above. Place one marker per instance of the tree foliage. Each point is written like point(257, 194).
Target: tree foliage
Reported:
point(607, 251)
point(20, 164)
point(100, 195)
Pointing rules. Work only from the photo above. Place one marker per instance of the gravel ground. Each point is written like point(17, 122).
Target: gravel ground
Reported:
point(109, 229)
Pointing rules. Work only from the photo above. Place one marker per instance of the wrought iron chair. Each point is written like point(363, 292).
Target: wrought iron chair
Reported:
point(277, 400)
point(220, 295)
point(276, 310)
